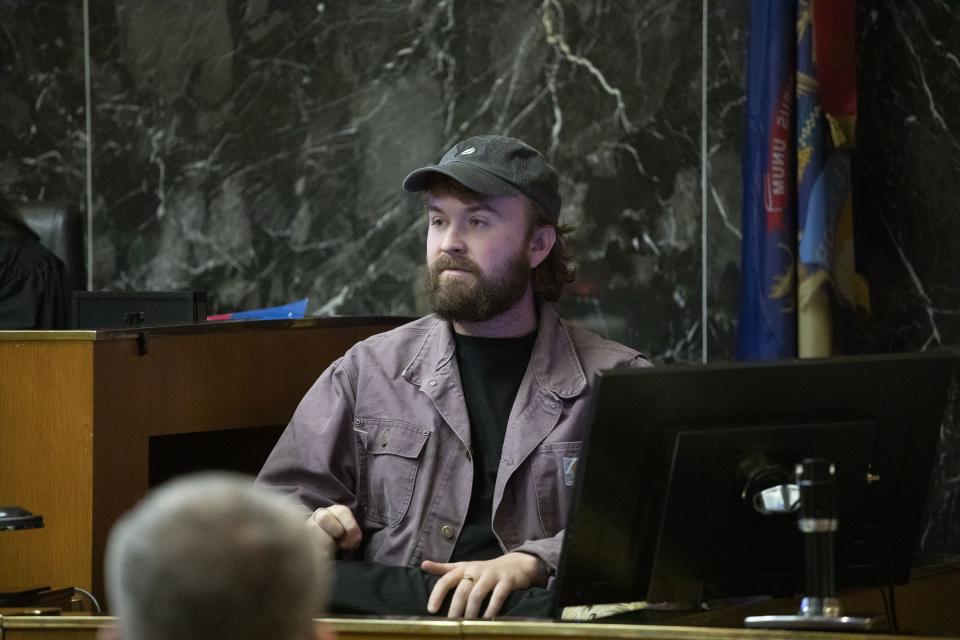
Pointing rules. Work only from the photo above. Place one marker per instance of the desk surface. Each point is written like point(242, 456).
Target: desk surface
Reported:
point(225, 326)
point(83, 627)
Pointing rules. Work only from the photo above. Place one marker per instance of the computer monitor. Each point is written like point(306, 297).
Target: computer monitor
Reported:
point(663, 506)
point(136, 309)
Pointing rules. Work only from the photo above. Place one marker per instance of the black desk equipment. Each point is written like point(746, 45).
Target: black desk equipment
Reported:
point(687, 488)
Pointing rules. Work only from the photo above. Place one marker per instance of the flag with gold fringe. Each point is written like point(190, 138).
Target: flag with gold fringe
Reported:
point(829, 289)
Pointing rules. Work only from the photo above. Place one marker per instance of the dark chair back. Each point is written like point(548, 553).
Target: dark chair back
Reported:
point(60, 227)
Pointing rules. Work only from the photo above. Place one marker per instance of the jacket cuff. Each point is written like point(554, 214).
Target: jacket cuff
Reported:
point(547, 549)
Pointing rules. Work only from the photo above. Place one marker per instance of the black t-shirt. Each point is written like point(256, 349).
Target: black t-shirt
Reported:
point(491, 370)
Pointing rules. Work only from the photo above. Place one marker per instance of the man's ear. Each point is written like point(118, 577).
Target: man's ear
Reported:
point(541, 243)
point(110, 631)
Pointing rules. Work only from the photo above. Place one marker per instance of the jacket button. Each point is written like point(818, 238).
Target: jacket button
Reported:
point(447, 532)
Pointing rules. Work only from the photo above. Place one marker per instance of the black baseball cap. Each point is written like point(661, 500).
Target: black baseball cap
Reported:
point(496, 166)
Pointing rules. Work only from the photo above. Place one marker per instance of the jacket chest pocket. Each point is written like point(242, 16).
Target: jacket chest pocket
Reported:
point(388, 453)
point(554, 468)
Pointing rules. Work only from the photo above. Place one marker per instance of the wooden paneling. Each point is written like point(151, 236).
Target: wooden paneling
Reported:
point(46, 442)
point(78, 410)
point(930, 604)
point(195, 383)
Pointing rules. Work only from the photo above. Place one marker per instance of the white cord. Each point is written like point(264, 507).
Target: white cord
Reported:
point(96, 605)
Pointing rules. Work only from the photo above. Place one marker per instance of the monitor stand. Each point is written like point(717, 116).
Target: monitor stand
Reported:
point(816, 614)
point(819, 609)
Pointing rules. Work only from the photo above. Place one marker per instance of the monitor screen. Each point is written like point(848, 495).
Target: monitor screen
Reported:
point(677, 485)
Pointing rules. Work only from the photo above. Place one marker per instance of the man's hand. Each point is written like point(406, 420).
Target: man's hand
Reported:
point(474, 581)
point(337, 528)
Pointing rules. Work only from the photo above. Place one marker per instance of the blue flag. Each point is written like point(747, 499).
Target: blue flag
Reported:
point(767, 325)
point(294, 310)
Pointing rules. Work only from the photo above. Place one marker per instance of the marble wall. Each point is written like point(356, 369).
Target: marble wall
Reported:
point(907, 191)
point(43, 135)
point(255, 149)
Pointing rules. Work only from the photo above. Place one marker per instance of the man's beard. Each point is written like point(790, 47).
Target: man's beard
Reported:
point(474, 298)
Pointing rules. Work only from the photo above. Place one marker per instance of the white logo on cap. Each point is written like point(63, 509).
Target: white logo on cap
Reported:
point(467, 152)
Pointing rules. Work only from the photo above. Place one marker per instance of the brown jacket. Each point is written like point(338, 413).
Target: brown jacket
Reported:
point(385, 432)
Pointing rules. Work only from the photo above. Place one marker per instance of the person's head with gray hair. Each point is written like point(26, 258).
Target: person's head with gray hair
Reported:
point(211, 556)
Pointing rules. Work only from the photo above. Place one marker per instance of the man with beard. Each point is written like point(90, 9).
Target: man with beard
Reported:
point(440, 456)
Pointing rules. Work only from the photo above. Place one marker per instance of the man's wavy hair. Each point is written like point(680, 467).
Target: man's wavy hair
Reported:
point(557, 270)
